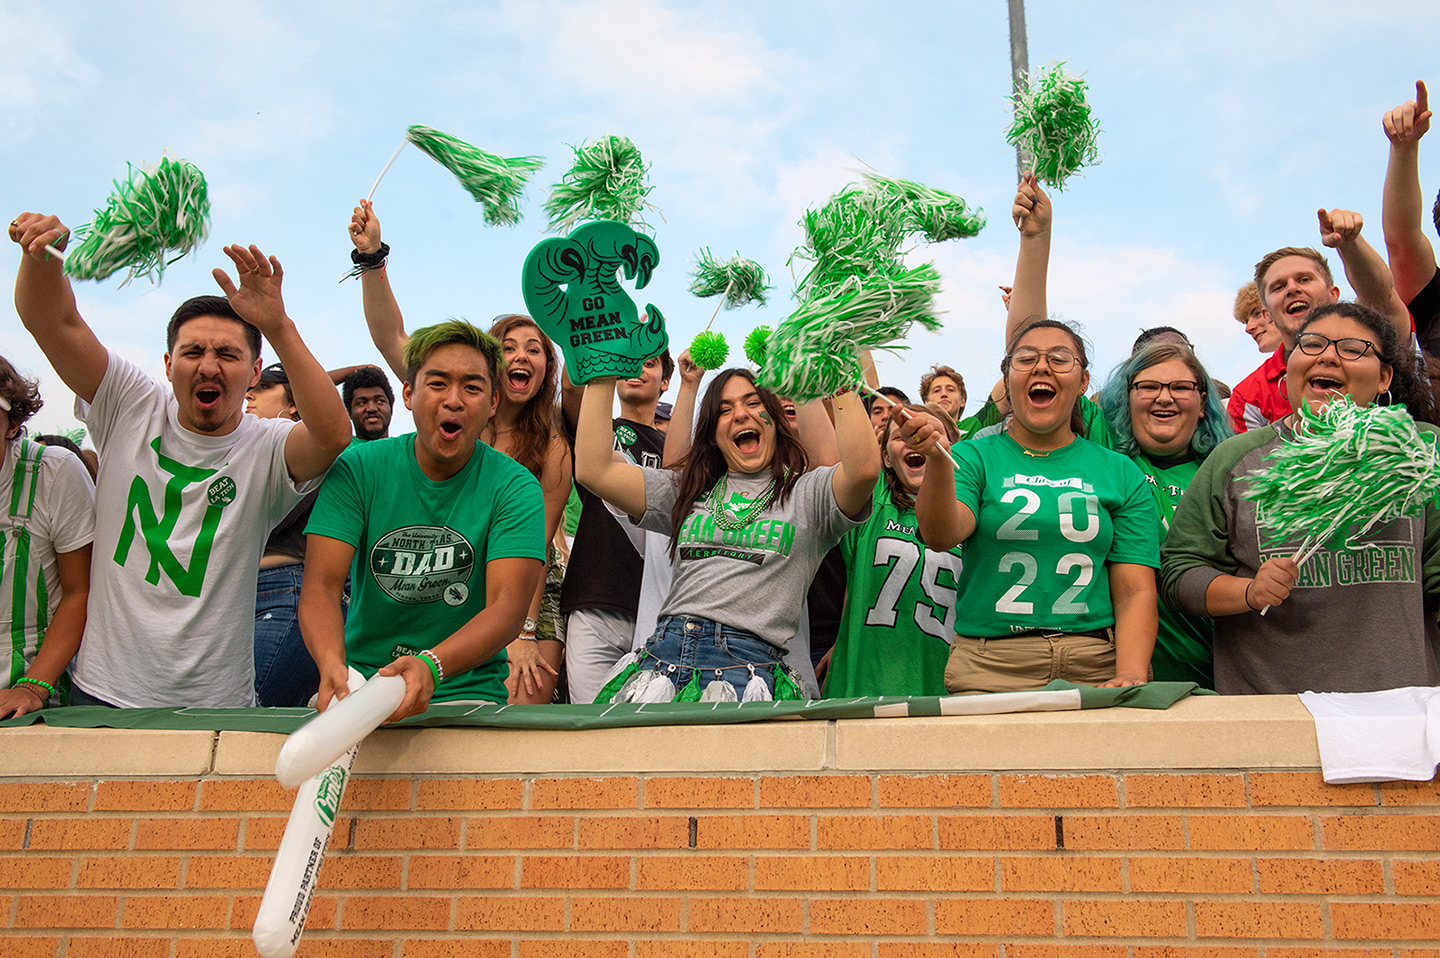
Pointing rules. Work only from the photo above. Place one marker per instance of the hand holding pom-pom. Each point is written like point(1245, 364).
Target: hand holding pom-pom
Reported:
point(755, 345)
point(1053, 124)
point(709, 350)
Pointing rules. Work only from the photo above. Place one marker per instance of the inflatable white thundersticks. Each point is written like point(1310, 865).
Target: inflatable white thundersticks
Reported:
point(320, 742)
point(329, 753)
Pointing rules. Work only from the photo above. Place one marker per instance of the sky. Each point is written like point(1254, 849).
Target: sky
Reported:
point(1224, 127)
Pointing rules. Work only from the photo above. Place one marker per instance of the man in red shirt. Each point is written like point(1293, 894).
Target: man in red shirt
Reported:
point(1294, 280)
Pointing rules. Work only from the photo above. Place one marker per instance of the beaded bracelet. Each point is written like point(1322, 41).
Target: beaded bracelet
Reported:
point(436, 667)
point(43, 684)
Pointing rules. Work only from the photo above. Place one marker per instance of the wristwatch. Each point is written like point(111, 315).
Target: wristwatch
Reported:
point(529, 625)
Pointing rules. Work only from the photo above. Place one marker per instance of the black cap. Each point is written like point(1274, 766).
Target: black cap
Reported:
point(274, 373)
point(663, 410)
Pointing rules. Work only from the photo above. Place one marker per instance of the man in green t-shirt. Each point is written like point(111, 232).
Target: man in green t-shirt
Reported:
point(442, 536)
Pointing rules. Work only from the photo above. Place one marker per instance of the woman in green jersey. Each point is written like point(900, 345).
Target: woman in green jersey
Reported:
point(1061, 538)
point(1163, 412)
point(899, 610)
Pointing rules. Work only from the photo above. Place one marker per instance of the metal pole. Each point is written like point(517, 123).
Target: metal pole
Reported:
point(1019, 66)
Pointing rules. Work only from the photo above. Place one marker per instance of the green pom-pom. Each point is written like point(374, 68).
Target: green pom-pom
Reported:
point(756, 343)
point(857, 233)
point(741, 280)
point(940, 216)
point(708, 350)
point(1054, 125)
point(153, 214)
point(813, 353)
point(76, 435)
point(607, 182)
point(493, 180)
point(1345, 465)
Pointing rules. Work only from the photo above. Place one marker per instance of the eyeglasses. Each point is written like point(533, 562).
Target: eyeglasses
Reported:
point(1060, 359)
point(1348, 347)
point(1179, 389)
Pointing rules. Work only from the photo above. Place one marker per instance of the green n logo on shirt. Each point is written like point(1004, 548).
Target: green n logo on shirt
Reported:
point(157, 531)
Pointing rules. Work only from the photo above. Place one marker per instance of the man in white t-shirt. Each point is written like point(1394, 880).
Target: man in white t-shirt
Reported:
point(189, 486)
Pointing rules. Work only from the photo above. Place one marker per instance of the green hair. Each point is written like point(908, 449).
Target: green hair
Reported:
point(426, 340)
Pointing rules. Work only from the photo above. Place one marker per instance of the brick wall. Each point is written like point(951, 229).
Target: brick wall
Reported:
point(1154, 863)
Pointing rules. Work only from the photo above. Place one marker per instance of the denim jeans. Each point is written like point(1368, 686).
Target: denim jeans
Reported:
point(681, 645)
point(285, 675)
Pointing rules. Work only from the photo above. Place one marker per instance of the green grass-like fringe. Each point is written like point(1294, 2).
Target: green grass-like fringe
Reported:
point(493, 180)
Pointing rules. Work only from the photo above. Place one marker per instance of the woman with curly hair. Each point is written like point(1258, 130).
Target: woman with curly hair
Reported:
point(1359, 617)
point(47, 521)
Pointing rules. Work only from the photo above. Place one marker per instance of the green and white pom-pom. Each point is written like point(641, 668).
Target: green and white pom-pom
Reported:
point(1054, 125)
point(813, 353)
point(76, 435)
point(493, 180)
point(857, 233)
point(708, 350)
point(607, 182)
point(1345, 465)
point(939, 215)
point(151, 220)
point(756, 343)
point(741, 280)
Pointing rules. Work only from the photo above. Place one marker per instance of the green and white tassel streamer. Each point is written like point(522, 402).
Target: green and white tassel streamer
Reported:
point(151, 220)
point(1345, 465)
point(813, 354)
point(1054, 125)
point(607, 182)
point(495, 181)
point(741, 280)
point(936, 214)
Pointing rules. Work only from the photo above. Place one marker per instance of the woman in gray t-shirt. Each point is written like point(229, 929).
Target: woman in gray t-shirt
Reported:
point(749, 522)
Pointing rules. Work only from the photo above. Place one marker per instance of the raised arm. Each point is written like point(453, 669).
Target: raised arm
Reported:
point(622, 484)
point(382, 312)
point(46, 305)
point(682, 416)
point(1412, 258)
point(853, 481)
point(1032, 214)
point(324, 428)
point(944, 521)
point(1365, 269)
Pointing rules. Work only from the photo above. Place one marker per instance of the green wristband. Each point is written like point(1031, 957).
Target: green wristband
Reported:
point(428, 658)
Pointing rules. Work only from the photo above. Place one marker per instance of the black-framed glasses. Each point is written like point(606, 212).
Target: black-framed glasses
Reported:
point(1179, 388)
point(1347, 347)
point(1059, 359)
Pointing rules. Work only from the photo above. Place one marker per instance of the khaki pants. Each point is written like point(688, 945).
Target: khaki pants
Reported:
point(1023, 662)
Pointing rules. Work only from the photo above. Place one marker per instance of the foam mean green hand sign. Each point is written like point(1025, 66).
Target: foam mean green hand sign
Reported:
point(573, 292)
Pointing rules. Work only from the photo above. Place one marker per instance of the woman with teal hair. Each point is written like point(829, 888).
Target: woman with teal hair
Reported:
point(1162, 411)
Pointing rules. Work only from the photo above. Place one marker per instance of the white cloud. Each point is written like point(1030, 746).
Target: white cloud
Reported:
point(40, 69)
